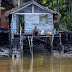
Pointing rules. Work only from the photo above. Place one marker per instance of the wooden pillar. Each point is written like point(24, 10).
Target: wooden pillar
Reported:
point(52, 41)
point(12, 36)
point(51, 44)
point(9, 35)
point(70, 36)
point(62, 46)
point(47, 43)
point(21, 42)
point(32, 8)
point(30, 39)
point(66, 37)
point(60, 39)
point(18, 24)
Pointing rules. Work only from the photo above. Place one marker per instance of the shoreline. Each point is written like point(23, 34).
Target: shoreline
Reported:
point(64, 55)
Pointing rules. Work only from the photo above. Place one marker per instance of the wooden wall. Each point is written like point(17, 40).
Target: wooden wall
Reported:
point(43, 20)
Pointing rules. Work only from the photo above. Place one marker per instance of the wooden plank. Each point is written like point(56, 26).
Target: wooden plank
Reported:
point(29, 13)
point(32, 8)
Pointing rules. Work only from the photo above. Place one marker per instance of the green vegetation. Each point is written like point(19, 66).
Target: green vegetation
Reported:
point(2, 8)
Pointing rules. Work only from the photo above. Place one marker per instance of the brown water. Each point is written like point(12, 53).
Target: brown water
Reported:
point(37, 64)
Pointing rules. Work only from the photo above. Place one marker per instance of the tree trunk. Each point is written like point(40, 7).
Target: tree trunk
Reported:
point(52, 4)
point(48, 5)
point(18, 2)
point(71, 9)
point(57, 5)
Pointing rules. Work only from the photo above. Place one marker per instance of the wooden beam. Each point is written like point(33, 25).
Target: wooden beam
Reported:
point(12, 27)
point(12, 30)
point(32, 8)
point(60, 39)
point(29, 13)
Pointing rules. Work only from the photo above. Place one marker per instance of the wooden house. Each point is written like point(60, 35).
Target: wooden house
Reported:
point(31, 14)
point(27, 16)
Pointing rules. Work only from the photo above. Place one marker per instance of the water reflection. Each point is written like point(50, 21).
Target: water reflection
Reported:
point(17, 65)
point(36, 64)
point(31, 66)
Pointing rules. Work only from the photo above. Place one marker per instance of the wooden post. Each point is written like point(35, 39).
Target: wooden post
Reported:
point(66, 37)
point(60, 39)
point(32, 8)
point(70, 36)
point(52, 41)
point(21, 41)
point(12, 30)
point(62, 48)
point(9, 35)
point(31, 45)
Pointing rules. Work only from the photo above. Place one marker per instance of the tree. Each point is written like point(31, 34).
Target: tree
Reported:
point(57, 5)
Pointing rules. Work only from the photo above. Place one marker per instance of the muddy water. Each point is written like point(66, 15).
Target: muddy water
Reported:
point(37, 64)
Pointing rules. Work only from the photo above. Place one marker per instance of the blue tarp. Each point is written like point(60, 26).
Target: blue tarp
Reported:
point(14, 25)
point(2, 29)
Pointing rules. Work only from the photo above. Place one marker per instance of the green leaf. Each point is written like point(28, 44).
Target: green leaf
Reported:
point(2, 8)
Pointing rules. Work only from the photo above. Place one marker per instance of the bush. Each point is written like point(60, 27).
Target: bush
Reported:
point(63, 29)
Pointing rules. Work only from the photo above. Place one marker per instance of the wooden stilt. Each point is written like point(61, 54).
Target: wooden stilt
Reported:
point(30, 39)
point(62, 46)
point(52, 42)
point(21, 42)
point(66, 37)
point(16, 51)
point(60, 39)
point(62, 49)
point(70, 37)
